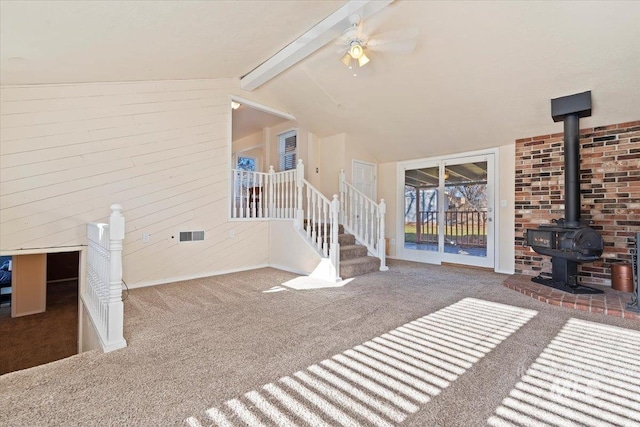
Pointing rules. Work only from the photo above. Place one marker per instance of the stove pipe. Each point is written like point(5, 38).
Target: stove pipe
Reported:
point(572, 170)
point(569, 109)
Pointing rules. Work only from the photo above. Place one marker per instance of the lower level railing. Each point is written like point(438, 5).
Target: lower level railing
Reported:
point(102, 294)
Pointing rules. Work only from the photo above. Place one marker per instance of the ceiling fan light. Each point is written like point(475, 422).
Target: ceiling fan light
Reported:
point(356, 50)
point(363, 60)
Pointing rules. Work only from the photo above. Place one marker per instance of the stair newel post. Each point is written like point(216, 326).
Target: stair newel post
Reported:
point(300, 184)
point(115, 314)
point(382, 211)
point(272, 206)
point(334, 249)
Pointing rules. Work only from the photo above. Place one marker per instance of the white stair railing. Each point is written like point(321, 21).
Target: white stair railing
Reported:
point(260, 195)
point(102, 294)
point(319, 220)
point(287, 195)
point(364, 218)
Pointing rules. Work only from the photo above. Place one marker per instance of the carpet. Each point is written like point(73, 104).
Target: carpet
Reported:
point(210, 346)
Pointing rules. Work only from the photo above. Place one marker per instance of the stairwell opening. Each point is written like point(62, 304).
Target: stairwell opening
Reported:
point(35, 339)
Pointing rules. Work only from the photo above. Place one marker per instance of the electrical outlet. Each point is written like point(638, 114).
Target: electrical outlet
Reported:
point(393, 242)
point(232, 233)
point(503, 203)
point(145, 237)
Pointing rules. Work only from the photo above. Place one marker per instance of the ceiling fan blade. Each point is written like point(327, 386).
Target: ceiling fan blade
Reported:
point(397, 35)
point(395, 46)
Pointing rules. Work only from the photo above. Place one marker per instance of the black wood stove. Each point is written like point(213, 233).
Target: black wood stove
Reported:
point(568, 241)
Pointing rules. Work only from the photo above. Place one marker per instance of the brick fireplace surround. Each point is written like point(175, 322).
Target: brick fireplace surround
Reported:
point(610, 194)
point(610, 200)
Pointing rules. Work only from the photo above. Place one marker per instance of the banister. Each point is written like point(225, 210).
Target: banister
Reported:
point(364, 218)
point(102, 295)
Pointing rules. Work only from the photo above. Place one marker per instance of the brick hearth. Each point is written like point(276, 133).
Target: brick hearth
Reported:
point(612, 302)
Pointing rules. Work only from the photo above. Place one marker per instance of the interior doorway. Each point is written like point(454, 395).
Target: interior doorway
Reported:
point(255, 147)
point(36, 339)
point(364, 178)
point(448, 211)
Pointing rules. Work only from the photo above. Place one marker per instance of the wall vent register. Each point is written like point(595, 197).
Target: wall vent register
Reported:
point(191, 236)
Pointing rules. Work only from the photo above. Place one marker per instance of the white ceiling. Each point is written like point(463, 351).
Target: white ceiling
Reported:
point(482, 74)
point(98, 41)
point(248, 120)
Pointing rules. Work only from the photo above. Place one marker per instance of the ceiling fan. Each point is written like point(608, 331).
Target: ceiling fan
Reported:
point(355, 43)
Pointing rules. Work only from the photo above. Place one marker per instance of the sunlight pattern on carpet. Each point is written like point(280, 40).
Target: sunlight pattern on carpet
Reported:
point(589, 375)
point(381, 381)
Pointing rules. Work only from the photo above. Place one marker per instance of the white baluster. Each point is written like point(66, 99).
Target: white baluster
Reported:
point(341, 187)
point(285, 177)
point(372, 224)
point(271, 211)
point(308, 212)
point(261, 194)
point(352, 210)
point(360, 215)
point(365, 220)
point(334, 249)
point(293, 190)
point(382, 210)
point(299, 185)
point(233, 194)
point(314, 235)
point(252, 194)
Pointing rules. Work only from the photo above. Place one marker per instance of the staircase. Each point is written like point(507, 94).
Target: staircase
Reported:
point(354, 258)
point(332, 226)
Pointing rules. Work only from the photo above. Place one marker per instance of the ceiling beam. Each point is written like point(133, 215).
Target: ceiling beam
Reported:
point(318, 36)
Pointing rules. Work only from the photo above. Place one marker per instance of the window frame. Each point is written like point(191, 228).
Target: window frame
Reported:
point(282, 153)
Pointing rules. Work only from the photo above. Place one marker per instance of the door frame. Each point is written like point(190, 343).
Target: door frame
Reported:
point(440, 161)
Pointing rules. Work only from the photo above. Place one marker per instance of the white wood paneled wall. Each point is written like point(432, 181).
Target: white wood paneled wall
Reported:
point(160, 149)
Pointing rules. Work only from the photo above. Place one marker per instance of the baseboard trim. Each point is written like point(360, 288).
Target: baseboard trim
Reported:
point(194, 276)
point(288, 269)
point(470, 267)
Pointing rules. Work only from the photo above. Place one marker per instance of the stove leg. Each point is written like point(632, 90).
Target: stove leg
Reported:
point(564, 271)
point(564, 276)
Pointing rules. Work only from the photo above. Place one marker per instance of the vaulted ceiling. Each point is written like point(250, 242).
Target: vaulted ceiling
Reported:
point(482, 74)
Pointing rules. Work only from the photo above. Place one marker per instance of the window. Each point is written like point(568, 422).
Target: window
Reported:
point(246, 163)
point(245, 166)
point(288, 150)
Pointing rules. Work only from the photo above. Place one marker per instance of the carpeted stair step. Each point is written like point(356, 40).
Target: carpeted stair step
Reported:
point(348, 252)
point(346, 239)
point(359, 266)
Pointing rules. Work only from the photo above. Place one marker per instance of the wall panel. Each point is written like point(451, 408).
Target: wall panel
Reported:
point(67, 152)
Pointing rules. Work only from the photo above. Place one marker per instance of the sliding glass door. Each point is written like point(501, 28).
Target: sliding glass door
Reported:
point(448, 211)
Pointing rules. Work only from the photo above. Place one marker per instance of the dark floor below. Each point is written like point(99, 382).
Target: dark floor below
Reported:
point(33, 340)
